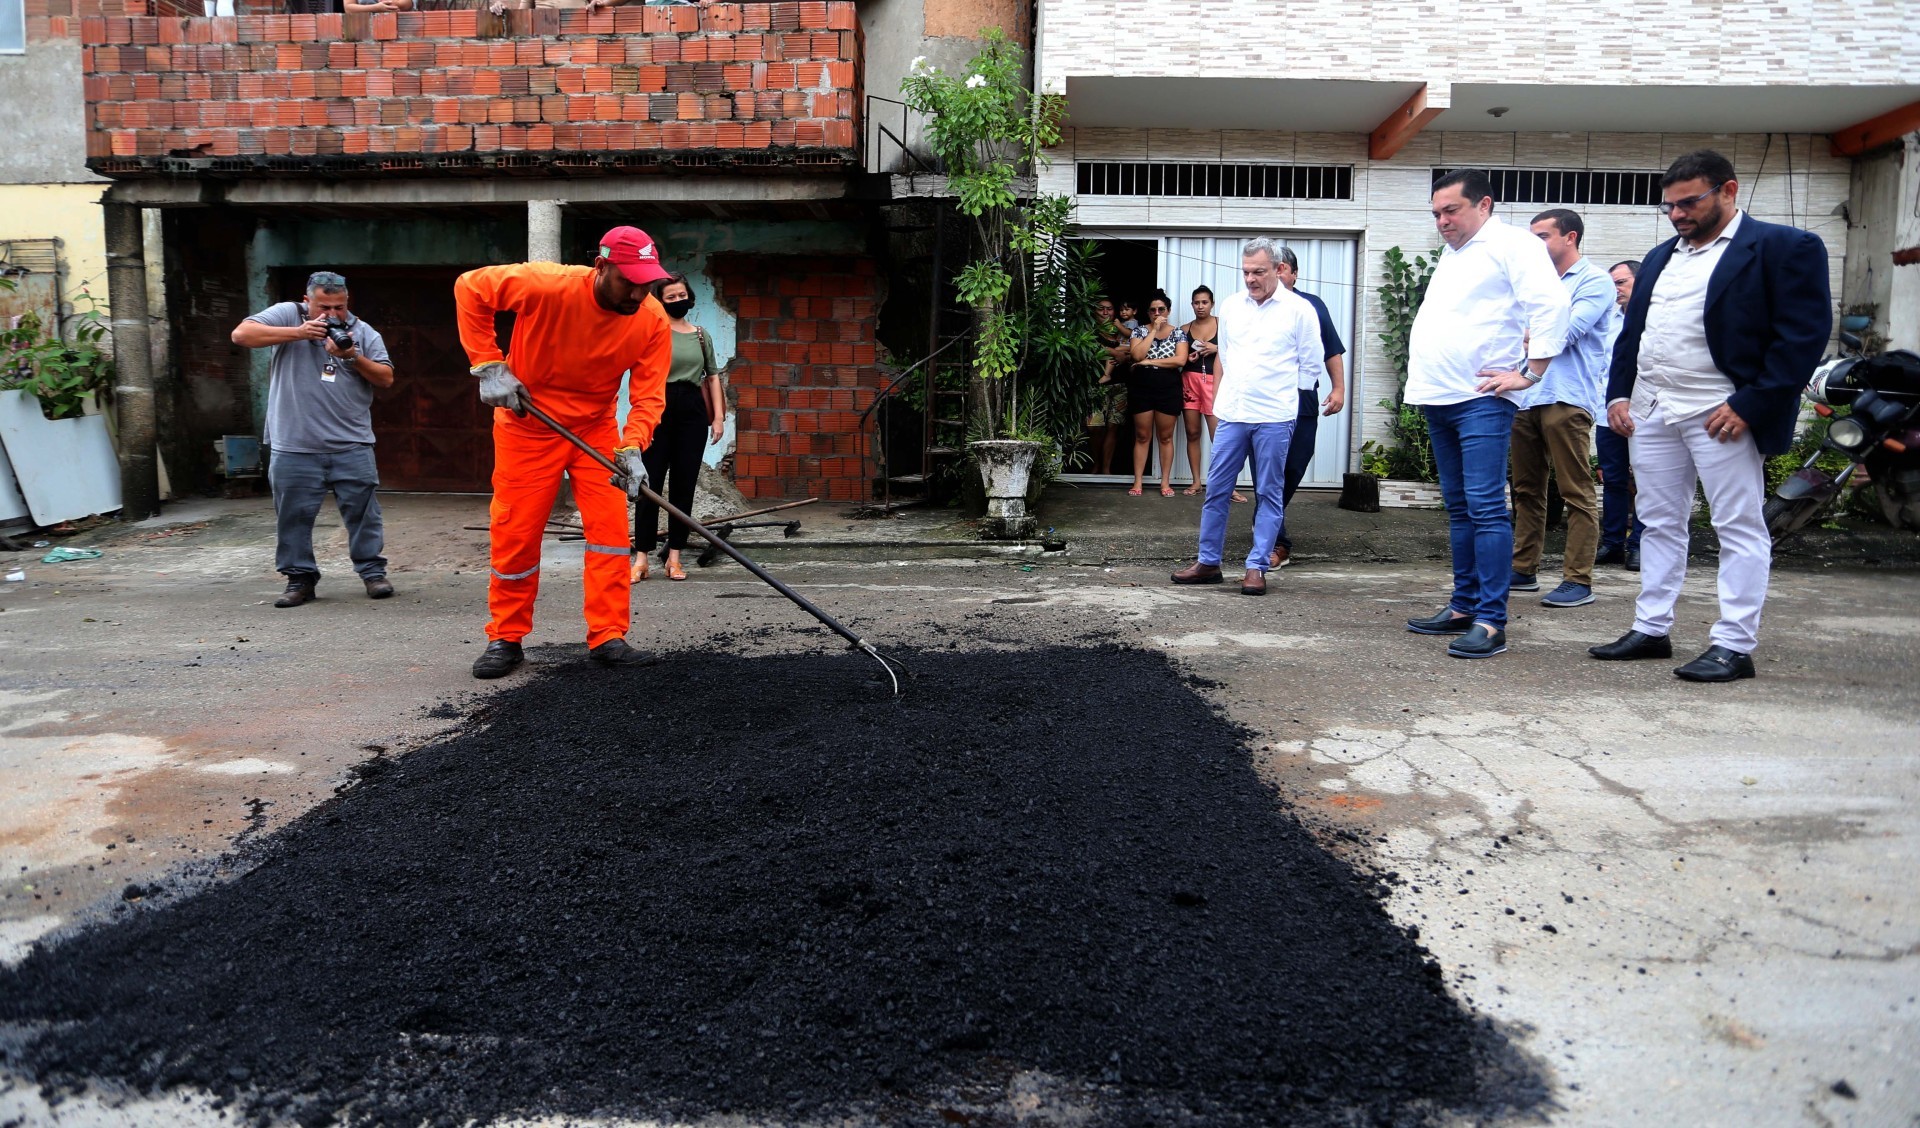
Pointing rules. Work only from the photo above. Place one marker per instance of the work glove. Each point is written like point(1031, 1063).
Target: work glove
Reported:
point(633, 472)
point(499, 387)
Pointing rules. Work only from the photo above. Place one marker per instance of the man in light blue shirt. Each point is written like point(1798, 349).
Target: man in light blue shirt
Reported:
point(1554, 427)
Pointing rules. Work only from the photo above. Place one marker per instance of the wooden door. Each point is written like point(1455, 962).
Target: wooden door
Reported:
point(432, 432)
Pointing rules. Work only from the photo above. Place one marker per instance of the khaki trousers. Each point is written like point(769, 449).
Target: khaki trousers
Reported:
point(1554, 436)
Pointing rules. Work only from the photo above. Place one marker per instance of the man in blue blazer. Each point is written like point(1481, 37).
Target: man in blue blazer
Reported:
point(1726, 324)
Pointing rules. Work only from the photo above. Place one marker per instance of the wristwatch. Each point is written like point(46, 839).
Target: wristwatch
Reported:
point(1527, 373)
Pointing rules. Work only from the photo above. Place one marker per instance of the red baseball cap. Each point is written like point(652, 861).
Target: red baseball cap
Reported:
point(631, 249)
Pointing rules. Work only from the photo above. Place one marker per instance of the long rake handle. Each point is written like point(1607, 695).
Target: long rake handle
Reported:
point(713, 539)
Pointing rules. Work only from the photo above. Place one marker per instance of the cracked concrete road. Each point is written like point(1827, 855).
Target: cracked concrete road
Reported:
point(1691, 904)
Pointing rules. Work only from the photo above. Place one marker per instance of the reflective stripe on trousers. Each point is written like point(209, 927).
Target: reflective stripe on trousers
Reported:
point(526, 478)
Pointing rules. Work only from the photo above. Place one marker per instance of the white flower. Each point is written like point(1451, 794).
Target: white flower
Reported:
point(976, 82)
point(918, 62)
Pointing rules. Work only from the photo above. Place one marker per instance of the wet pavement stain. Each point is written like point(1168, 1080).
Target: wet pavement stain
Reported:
point(759, 887)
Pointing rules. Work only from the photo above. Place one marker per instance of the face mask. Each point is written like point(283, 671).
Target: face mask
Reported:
point(678, 308)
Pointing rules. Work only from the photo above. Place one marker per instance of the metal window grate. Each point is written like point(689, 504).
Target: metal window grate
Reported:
point(1215, 180)
point(1571, 186)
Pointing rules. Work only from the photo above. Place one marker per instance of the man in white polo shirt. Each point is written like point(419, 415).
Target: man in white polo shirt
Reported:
point(1268, 337)
point(1495, 315)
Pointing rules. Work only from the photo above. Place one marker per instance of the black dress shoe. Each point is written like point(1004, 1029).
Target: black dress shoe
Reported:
point(616, 652)
point(1633, 560)
point(299, 590)
point(1480, 641)
point(1718, 664)
point(378, 587)
point(1632, 645)
point(499, 659)
point(1441, 622)
point(1615, 555)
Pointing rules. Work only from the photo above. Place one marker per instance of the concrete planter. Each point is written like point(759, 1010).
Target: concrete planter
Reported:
point(1006, 465)
point(1396, 494)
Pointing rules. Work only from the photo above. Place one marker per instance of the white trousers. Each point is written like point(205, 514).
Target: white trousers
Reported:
point(1668, 458)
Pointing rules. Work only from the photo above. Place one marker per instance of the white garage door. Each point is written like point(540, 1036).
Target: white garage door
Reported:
point(1326, 271)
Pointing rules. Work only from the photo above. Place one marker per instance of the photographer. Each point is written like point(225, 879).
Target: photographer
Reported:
point(326, 363)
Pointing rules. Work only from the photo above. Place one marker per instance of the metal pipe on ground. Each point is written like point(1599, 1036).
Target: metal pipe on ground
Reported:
point(717, 541)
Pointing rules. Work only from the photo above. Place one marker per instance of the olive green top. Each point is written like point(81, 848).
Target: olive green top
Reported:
point(692, 358)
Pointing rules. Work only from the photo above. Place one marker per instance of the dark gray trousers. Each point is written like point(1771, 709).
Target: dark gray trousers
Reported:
point(300, 485)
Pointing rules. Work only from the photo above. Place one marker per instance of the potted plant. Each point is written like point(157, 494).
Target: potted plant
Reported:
point(1405, 469)
point(61, 455)
point(989, 132)
point(64, 374)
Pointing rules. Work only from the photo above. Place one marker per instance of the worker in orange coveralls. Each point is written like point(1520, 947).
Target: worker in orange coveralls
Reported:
point(575, 330)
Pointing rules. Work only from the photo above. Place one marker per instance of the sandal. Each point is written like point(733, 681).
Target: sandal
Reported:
point(1194, 489)
point(1134, 492)
point(1238, 496)
point(676, 572)
point(1166, 491)
point(639, 570)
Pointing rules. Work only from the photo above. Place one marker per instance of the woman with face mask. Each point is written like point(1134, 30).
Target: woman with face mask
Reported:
point(695, 417)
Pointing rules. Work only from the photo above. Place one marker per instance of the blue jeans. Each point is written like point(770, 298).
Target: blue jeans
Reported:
point(300, 484)
point(1267, 443)
point(1619, 525)
point(1470, 442)
point(1306, 429)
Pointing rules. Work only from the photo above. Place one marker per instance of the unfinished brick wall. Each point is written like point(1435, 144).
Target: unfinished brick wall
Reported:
point(392, 90)
point(803, 370)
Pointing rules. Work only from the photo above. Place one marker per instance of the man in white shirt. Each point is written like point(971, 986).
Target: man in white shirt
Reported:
point(1495, 315)
point(1267, 339)
point(1725, 325)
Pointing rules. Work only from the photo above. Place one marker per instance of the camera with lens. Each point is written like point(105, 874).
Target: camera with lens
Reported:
point(339, 334)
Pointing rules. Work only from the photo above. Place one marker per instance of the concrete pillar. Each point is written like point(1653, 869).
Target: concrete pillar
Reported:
point(133, 361)
point(543, 245)
point(543, 231)
point(159, 339)
point(1902, 311)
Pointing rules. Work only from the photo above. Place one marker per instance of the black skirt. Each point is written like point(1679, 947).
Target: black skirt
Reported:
point(1153, 389)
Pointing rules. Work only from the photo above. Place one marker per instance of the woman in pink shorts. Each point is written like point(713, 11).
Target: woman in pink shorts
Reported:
point(1196, 383)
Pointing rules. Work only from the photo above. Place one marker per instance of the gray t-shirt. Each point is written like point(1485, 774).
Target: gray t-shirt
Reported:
point(316, 403)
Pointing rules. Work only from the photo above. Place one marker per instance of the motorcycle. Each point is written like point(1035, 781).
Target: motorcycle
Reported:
point(1873, 407)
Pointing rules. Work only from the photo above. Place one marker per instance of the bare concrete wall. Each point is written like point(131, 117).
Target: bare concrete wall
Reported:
point(1884, 218)
point(945, 32)
point(42, 116)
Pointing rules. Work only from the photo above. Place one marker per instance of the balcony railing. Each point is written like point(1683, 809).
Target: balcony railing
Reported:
point(615, 90)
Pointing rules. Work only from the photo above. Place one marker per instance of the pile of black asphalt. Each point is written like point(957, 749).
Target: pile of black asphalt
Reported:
point(762, 887)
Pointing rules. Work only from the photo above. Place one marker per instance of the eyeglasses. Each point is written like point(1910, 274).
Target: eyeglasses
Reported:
point(1668, 207)
point(326, 280)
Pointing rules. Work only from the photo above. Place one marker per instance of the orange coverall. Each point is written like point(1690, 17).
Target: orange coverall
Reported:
point(570, 354)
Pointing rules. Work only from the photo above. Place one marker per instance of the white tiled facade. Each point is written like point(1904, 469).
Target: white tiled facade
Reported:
point(1583, 42)
point(1390, 198)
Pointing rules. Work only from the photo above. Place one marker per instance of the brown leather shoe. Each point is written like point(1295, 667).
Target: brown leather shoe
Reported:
point(1254, 582)
point(1278, 558)
point(1197, 573)
point(378, 587)
point(299, 590)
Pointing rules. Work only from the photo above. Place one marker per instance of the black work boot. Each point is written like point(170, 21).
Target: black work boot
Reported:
point(500, 659)
point(299, 590)
point(378, 587)
point(616, 652)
